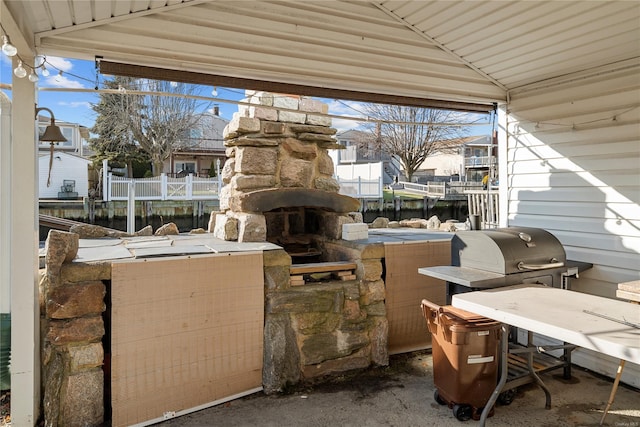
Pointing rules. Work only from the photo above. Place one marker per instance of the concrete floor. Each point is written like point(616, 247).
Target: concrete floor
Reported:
point(402, 395)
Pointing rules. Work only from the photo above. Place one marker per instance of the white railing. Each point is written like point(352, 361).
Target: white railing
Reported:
point(485, 204)
point(162, 188)
point(480, 161)
point(461, 187)
point(361, 188)
point(435, 189)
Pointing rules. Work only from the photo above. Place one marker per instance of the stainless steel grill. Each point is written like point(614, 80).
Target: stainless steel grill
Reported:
point(497, 257)
point(492, 258)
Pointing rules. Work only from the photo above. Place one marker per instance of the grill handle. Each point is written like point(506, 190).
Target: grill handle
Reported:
point(523, 266)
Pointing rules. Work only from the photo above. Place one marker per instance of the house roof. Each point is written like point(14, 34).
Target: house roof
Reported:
point(351, 134)
point(42, 155)
point(469, 52)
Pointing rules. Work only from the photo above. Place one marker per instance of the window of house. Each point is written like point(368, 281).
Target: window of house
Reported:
point(67, 132)
point(185, 167)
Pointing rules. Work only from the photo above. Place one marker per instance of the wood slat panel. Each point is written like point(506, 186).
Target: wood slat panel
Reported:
point(185, 332)
point(406, 288)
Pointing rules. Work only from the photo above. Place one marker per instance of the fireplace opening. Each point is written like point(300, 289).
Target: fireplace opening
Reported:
point(298, 230)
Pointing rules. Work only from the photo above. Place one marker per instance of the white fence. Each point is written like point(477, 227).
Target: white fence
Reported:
point(361, 188)
point(162, 188)
point(485, 204)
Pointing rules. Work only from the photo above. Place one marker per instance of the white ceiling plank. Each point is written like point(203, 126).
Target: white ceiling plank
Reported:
point(377, 41)
point(139, 5)
point(101, 10)
point(489, 31)
point(405, 9)
point(60, 14)
point(515, 43)
point(542, 32)
point(122, 7)
point(523, 74)
point(81, 13)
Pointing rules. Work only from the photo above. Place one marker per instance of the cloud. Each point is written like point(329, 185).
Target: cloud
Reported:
point(346, 108)
point(59, 63)
point(350, 108)
point(343, 124)
point(76, 104)
point(63, 81)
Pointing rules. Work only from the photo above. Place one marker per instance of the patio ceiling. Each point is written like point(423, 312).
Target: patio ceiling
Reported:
point(462, 51)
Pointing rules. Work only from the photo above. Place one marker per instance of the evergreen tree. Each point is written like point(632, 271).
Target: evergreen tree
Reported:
point(115, 141)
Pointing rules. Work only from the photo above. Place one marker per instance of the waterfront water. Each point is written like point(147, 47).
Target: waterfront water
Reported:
point(186, 223)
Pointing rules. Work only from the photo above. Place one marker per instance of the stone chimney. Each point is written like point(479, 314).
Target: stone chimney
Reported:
point(278, 164)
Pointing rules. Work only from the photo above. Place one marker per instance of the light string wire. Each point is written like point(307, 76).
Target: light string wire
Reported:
point(122, 91)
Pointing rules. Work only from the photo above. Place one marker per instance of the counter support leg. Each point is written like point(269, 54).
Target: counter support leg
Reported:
point(504, 356)
point(613, 390)
point(532, 371)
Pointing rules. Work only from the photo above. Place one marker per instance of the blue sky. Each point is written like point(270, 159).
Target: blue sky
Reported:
point(75, 107)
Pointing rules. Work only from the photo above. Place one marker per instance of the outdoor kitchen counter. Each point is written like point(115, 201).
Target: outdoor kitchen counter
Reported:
point(161, 246)
point(192, 244)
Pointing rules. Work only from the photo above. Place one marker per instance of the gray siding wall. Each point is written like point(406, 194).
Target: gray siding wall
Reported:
point(572, 167)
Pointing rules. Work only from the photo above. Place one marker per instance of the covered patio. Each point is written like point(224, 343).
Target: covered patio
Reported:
point(563, 77)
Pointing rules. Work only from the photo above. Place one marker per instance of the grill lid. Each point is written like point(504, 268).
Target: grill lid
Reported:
point(507, 250)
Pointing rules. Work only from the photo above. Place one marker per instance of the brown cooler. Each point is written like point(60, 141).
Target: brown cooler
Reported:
point(465, 350)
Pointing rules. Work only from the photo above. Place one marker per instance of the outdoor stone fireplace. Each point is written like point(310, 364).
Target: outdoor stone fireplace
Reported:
point(279, 187)
point(279, 184)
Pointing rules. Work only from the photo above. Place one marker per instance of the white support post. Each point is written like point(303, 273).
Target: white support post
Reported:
point(218, 176)
point(23, 219)
point(106, 182)
point(503, 172)
point(189, 186)
point(5, 207)
point(131, 207)
point(163, 186)
point(109, 187)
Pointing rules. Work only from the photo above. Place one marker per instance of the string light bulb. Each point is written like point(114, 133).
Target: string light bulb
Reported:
point(39, 61)
point(59, 76)
point(20, 71)
point(23, 69)
point(214, 92)
point(33, 76)
point(7, 48)
point(45, 72)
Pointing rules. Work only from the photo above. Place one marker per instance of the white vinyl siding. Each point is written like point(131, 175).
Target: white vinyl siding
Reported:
point(573, 168)
point(64, 167)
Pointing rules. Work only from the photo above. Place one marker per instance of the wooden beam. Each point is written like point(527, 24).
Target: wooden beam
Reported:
point(322, 267)
point(140, 71)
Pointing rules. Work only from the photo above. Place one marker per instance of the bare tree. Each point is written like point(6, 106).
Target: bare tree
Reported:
point(412, 134)
point(163, 122)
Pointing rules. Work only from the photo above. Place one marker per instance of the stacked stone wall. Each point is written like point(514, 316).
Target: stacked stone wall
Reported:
point(325, 328)
point(72, 303)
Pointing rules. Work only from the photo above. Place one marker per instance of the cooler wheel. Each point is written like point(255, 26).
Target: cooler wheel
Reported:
point(462, 412)
point(506, 397)
point(438, 398)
